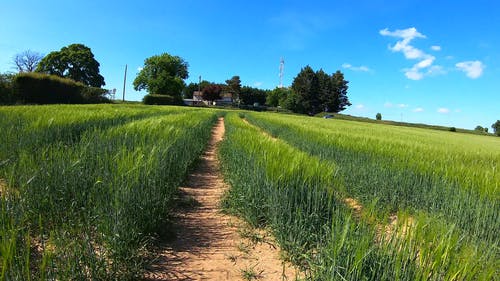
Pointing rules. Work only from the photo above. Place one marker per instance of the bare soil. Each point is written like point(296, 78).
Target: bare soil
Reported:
point(211, 245)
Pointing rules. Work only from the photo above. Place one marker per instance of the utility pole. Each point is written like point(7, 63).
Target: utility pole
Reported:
point(199, 84)
point(124, 82)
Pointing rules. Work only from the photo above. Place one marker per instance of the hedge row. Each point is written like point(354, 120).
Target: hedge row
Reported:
point(162, 100)
point(37, 88)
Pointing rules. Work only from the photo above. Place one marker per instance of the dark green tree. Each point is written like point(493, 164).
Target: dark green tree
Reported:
point(306, 86)
point(234, 87)
point(76, 62)
point(496, 128)
point(251, 96)
point(318, 91)
point(162, 75)
point(6, 91)
point(188, 91)
point(294, 103)
point(212, 92)
point(277, 97)
point(378, 116)
point(339, 98)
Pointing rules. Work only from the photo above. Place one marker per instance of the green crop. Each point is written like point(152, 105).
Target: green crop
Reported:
point(87, 187)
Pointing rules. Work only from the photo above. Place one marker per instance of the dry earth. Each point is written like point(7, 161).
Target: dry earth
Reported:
point(211, 245)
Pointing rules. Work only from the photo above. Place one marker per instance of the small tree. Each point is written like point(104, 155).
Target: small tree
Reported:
point(496, 128)
point(378, 116)
point(211, 92)
point(27, 61)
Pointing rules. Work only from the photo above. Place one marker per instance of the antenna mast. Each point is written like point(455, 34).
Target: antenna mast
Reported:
point(282, 68)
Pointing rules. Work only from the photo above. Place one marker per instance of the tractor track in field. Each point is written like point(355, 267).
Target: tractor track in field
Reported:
point(383, 231)
point(210, 245)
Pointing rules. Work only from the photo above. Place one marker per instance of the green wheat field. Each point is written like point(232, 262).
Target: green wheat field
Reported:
point(87, 190)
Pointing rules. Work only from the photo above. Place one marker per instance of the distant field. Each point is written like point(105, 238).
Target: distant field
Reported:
point(84, 189)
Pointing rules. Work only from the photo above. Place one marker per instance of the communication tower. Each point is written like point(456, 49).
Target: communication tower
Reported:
point(282, 68)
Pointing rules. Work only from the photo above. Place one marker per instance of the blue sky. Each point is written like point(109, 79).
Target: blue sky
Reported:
point(434, 62)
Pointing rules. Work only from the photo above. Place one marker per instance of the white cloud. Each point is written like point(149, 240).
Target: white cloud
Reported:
point(361, 68)
point(140, 68)
point(443, 110)
point(360, 106)
point(418, 109)
point(402, 105)
point(388, 104)
point(435, 70)
point(473, 69)
point(404, 46)
point(257, 84)
point(425, 63)
point(436, 48)
point(458, 110)
point(410, 52)
point(413, 74)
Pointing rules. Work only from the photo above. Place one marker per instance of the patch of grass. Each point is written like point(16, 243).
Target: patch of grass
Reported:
point(250, 273)
point(244, 248)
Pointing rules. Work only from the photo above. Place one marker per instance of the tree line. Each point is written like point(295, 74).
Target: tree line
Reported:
point(70, 75)
point(311, 92)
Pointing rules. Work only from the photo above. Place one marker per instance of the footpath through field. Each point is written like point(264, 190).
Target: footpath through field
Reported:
point(210, 245)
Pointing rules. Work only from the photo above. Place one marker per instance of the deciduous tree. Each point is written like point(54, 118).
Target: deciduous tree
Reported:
point(76, 62)
point(496, 128)
point(27, 61)
point(212, 92)
point(234, 86)
point(162, 75)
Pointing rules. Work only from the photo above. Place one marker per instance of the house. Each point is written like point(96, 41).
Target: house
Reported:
point(226, 99)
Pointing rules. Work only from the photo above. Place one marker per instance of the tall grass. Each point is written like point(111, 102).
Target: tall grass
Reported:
point(444, 174)
point(86, 207)
point(300, 198)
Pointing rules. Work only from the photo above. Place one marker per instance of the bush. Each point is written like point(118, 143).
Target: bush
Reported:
point(162, 100)
point(45, 89)
point(378, 116)
point(37, 88)
point(452, 129)
point(6, 95)
point(94, 95)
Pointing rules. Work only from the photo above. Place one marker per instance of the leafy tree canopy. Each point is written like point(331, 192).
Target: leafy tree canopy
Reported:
point(76, 62)
point(212, 92)
point(278, 96)
point(162, 75)
point(234, 86)
point(250, 96)
point(496, 127)
point(318, 91)
point(188, 91)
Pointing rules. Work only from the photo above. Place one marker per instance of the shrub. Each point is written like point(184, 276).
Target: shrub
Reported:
point(43, 89)
point(6, 96)
point(452, 129)
point(94, 95)
point(162, 100)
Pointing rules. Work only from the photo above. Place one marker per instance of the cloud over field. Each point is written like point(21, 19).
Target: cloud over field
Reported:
point(473, 69)
point(425, 65)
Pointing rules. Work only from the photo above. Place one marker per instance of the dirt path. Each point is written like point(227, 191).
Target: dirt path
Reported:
point(211, 245)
